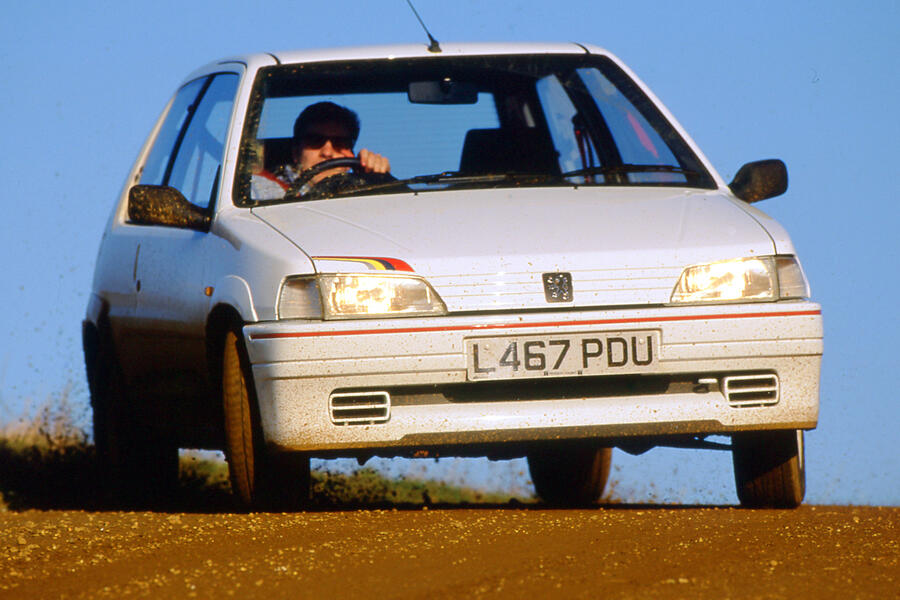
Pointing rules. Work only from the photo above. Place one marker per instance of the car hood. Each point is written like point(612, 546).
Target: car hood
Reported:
point(488, 249)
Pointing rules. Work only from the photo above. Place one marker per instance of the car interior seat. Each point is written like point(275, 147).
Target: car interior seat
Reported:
point(525, 150)
point(276, 152)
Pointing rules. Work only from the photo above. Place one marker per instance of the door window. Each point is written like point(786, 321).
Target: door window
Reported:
point(160, 156)
point(198, 162)
point(188, 151)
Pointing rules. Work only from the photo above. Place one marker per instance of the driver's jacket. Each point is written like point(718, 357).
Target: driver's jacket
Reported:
point(265, 185)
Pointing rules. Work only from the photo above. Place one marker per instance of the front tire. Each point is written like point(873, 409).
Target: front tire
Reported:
point(769, 470)
point(258, 479)
point(570, 474)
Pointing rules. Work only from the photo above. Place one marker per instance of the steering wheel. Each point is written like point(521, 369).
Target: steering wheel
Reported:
point(331, 163)
point(337, 184)
point(302, 186)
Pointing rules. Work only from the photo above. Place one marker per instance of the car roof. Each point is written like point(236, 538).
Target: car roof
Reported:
point(261, 59)
point(421, 50)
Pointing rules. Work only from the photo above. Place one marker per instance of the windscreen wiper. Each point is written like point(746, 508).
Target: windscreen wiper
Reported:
point(456, 178)
point(463, 178)
point(626, 168)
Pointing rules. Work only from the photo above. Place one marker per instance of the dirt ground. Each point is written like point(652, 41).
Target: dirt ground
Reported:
point(510, 551)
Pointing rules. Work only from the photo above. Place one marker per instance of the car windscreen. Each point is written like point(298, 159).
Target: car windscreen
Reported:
point(462, 122)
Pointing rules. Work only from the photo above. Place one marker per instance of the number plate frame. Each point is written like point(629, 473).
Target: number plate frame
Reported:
point(562, 355)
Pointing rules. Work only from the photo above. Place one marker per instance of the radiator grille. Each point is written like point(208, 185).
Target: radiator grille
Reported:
point(359, 408)
point(751, 390)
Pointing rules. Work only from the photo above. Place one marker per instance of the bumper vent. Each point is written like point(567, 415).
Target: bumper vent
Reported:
point(359, 408)
point(751, 390)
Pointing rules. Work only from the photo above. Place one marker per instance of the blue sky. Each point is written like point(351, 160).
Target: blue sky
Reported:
point(813, 83)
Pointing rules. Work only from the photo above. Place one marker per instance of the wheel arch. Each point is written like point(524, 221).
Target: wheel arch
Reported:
point(95, 330)
point(232, 306)
point(234, 292)
point(221, 318)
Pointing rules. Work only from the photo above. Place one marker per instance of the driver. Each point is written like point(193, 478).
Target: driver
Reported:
point(324, 131)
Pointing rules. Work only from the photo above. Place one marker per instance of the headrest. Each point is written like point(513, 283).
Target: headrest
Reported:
point(505, 151)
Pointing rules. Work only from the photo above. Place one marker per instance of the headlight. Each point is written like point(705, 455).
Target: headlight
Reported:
point(357, 296)
point(741, 280)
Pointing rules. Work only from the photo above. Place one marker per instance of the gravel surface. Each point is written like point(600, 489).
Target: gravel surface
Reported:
point(449, 552)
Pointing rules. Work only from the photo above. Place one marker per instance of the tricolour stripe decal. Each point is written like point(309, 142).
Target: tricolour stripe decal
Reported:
point(494, 326)
point(378, 263)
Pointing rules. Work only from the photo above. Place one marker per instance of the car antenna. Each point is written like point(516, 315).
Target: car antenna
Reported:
point(434, 46)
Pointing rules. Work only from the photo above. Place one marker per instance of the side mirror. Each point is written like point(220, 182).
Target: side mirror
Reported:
point(166, 206)
point(759, 180)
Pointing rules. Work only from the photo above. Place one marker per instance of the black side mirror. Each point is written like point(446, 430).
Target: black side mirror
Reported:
point(759, 180)
point(164, 205)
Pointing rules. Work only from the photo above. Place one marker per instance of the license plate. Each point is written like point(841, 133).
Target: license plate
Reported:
point(606, 353)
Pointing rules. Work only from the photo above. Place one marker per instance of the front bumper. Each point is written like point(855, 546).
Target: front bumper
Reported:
point(421, 366)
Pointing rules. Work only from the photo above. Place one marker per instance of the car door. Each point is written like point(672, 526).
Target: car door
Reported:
point(121, 247)
point(170, 264)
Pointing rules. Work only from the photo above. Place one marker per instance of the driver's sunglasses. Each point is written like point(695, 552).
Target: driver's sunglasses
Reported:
point(314, 141)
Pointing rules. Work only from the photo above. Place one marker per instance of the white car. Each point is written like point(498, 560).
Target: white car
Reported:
point(551, 269)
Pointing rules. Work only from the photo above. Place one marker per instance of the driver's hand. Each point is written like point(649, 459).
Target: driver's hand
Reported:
point(374, 163)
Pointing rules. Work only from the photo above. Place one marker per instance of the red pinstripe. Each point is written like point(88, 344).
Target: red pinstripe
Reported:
point(490, 326)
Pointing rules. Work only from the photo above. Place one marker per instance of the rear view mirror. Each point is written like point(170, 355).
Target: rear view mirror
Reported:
point(759, 180)
point(164, 205)
point(444, 91)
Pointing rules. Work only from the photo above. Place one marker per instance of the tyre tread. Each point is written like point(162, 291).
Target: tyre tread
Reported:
point(260, 479)
point(768, 469)
point(570, 474)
